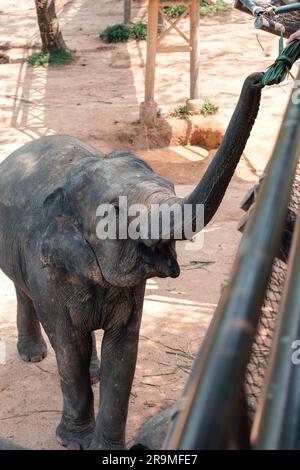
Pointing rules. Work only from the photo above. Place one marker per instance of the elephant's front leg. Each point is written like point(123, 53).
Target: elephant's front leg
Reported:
point(118, 360)
point(73, 352)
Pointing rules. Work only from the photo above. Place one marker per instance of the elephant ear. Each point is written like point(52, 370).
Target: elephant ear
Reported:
point(63, 245)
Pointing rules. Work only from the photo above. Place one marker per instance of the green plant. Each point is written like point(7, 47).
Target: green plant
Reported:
point(205, 8)
point(174, 12)
point(123, 33)
point(138, 30)
point(116, 33)
point(218, 7)
point(208, 108)
point(180, 112)
point(55, 58)
point(221, 6)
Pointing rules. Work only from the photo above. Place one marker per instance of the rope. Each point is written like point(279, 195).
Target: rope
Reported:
point(277, 72)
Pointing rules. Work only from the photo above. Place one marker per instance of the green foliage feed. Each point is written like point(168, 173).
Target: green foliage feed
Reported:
point(284, 62)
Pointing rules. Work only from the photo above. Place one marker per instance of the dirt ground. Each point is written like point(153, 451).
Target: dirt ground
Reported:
point(96, 99)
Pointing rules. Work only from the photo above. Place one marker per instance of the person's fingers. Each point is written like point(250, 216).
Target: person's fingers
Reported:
point(294, 36)
point(291, 38)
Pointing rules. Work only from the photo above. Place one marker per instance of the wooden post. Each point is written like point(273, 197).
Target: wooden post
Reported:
point(127, 11)
point(148, 109)
point(194, 101)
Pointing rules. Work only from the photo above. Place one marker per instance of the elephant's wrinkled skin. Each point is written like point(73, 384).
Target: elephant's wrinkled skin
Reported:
point(73, 283)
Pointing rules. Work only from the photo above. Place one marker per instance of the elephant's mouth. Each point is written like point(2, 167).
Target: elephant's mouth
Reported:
point(167, 267)
point(161, 259)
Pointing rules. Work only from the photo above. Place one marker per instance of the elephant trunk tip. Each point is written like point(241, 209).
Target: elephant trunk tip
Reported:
point(254, 81)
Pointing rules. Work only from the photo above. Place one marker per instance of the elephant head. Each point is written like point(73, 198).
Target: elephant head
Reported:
point(71, 240)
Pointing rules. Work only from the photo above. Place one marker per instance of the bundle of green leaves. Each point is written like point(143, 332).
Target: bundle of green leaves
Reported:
point(282, 65)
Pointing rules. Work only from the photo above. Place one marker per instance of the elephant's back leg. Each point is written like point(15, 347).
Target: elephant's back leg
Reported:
point(31, 345)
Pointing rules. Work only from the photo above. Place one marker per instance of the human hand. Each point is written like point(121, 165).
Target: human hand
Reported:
point(294, 36)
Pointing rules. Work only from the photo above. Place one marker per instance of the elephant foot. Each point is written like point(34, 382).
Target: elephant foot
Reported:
point(94, 374)
point(32, 350)
point(103, 442)
point(78, 438)
point(95, 445)
point(153, 432)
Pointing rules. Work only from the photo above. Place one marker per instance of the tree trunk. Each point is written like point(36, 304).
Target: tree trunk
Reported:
point(52, 40)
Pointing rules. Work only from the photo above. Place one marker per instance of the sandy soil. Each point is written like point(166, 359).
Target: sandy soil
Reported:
point(97, 99)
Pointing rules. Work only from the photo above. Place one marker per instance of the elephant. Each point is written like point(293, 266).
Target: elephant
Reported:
point(73, 283)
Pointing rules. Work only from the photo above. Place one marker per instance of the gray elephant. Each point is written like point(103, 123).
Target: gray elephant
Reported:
point(73, 283)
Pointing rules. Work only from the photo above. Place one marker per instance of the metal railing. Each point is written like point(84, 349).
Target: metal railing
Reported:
point(212, 413)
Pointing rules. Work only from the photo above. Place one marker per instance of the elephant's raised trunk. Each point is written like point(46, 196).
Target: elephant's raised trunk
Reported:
point(211, 189)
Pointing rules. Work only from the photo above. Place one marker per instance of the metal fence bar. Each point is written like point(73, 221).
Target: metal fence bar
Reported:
point(287, 8)
point(277, 422)
point(212, 412)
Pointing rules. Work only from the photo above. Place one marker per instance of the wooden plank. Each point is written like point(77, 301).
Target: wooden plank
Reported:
point(174, 3)
point(169, 49)
point(172, 25)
